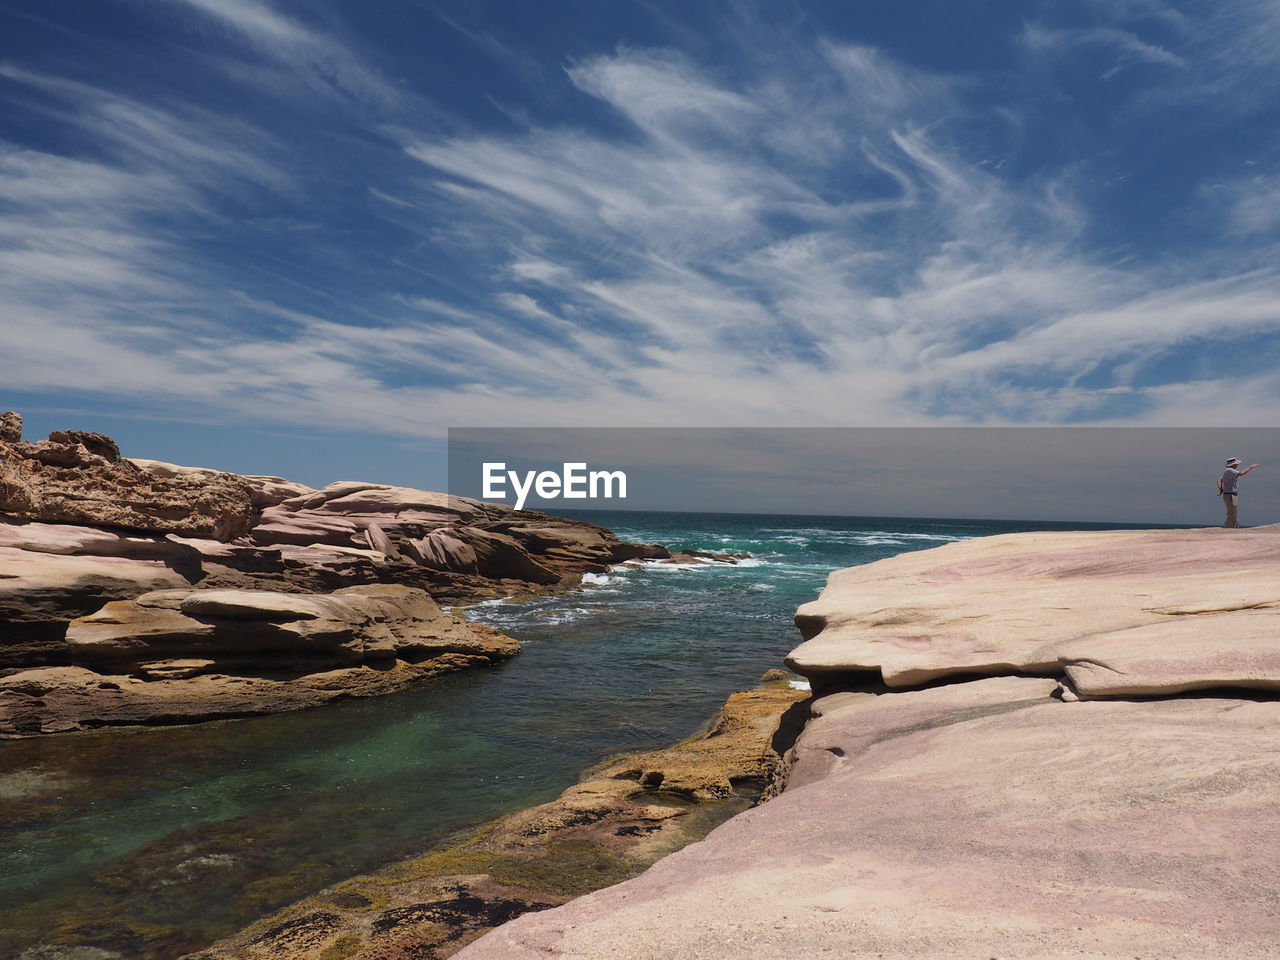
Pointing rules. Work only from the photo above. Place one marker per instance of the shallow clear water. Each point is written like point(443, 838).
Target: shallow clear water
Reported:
point(154, 842)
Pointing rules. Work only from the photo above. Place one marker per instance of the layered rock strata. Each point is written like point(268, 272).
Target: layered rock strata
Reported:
point(182, 655)
point(83, 530)
point(990, 816)
point(1118, 613)
point(617, 821)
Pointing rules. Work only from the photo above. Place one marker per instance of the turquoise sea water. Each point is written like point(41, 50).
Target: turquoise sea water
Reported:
point(152, 842)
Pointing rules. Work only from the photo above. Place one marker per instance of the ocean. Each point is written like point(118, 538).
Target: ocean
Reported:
point(153, 842)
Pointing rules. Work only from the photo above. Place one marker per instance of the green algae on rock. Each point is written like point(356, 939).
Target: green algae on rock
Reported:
point(603, 830)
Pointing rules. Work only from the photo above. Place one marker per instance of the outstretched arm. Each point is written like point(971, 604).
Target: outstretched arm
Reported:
point(1247, 469)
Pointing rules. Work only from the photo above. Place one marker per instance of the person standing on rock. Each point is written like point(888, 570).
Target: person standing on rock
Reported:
point(1228, 490)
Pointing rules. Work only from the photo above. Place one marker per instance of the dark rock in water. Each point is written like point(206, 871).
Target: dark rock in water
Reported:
point(80, 478)
point(704, 556)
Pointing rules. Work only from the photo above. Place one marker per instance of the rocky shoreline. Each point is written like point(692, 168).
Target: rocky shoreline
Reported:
point(617, 821)
point(1035, 745)
point(1031, 745)
point(142, 592)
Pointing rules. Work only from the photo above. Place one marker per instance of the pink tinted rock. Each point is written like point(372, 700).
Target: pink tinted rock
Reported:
point(264, 491)
point(1001, 604)
point(980, 819)
point(441, 550)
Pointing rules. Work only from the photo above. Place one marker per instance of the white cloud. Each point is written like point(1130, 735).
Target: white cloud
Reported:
point(809, 246)
point(1125, 46)
point(662, 94)
point(319, 60)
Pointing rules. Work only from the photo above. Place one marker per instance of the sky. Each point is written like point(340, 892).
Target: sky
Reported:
point(306, 237)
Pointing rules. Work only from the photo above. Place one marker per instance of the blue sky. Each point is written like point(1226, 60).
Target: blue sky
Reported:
point(306, 237)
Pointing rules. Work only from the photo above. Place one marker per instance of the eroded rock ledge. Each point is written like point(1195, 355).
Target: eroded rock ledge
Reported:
point(984, 816)
point(174, 656)
point(109, 568)
point(1125, 613)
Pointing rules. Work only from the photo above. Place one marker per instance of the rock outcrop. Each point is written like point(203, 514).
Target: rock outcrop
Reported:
point(183, 655)
point(263, 491)
point(108, 567)
point(80, 478)
point(70, 572)
point(1042, 603)
point(997, 816)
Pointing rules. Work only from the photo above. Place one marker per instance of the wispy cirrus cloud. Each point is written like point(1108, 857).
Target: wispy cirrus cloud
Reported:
point(818, 239)
point(314, 57)
point(1125, 47)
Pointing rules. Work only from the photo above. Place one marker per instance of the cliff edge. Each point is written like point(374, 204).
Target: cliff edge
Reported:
point(1031, 746)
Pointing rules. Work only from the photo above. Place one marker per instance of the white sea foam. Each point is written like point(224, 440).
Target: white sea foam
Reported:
point(600, 579)
point(686, 565)
point(803, 534)
point(799, 684)
point(493, 602)
point(556, 617)
point(663, 566)
point(760, 587)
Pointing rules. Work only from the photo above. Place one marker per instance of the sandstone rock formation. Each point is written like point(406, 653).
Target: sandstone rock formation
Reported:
point(184, 654)
point(985, 816)
point(1040, 602)
point(41, 590)
point(80, 478)
point(263, 491)
point(10, 427)
point(617, 821)
point(134, 527)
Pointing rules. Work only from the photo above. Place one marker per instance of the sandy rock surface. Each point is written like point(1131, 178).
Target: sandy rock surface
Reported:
point(1004, 604)
point(983, 819)
point(987, 817)
point(180, 654)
